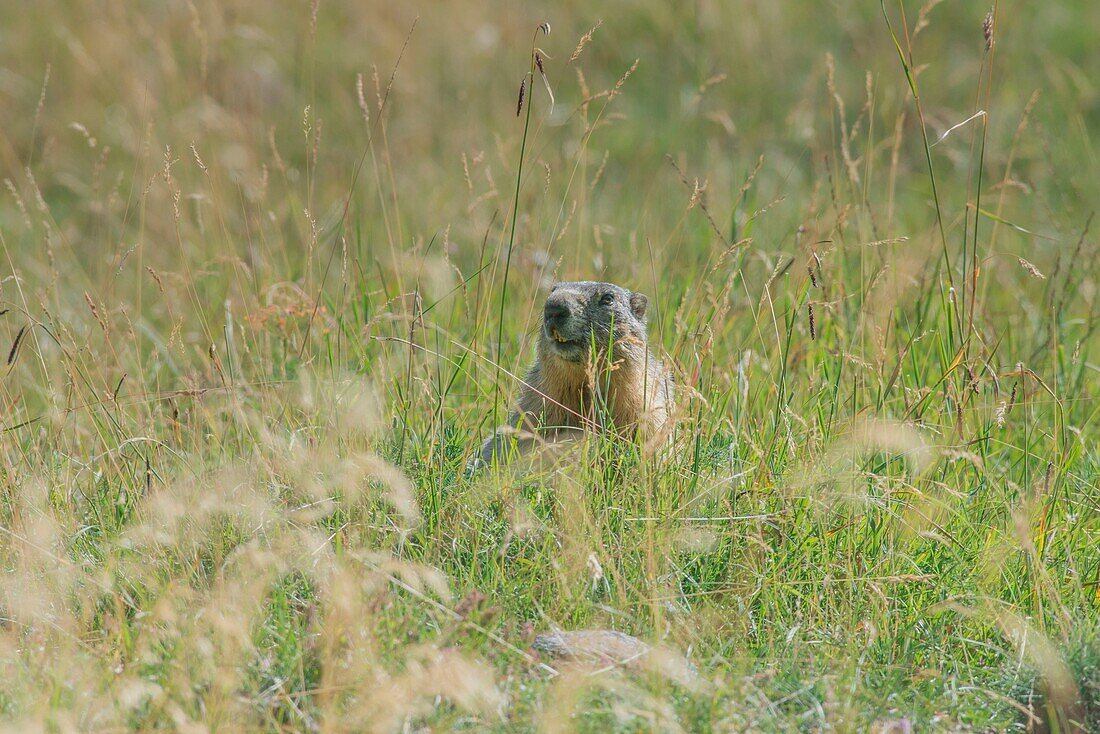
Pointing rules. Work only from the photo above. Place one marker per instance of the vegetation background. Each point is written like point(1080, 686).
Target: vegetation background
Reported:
point(271, 272)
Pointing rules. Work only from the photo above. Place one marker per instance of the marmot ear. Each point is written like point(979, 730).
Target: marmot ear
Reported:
point(638, 303)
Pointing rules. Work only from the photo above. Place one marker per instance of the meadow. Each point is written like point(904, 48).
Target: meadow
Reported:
point(272, 271)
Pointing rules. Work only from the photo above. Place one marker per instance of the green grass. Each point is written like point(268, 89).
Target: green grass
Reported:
point(259, 313)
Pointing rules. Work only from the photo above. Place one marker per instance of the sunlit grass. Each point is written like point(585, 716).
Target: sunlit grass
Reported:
point(271, 274)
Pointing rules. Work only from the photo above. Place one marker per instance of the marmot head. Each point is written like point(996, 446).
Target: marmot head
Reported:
point(583, 315)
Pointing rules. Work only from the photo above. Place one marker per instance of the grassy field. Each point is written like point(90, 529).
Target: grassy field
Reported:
point(271, 272)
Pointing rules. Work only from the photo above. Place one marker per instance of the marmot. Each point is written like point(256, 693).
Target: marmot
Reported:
point(594, 371)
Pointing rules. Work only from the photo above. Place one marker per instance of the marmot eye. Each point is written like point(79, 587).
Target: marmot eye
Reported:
point(607, 299)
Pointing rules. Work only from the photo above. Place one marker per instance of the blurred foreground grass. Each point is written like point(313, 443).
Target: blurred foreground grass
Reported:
point(253, 260)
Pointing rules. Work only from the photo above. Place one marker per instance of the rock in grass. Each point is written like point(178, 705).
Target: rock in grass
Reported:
point(598, 646)
point(610, 648)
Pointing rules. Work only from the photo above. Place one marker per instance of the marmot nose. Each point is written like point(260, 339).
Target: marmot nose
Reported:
point(556, 312)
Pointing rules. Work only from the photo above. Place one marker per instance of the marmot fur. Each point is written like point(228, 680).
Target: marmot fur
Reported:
point(594, 371)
